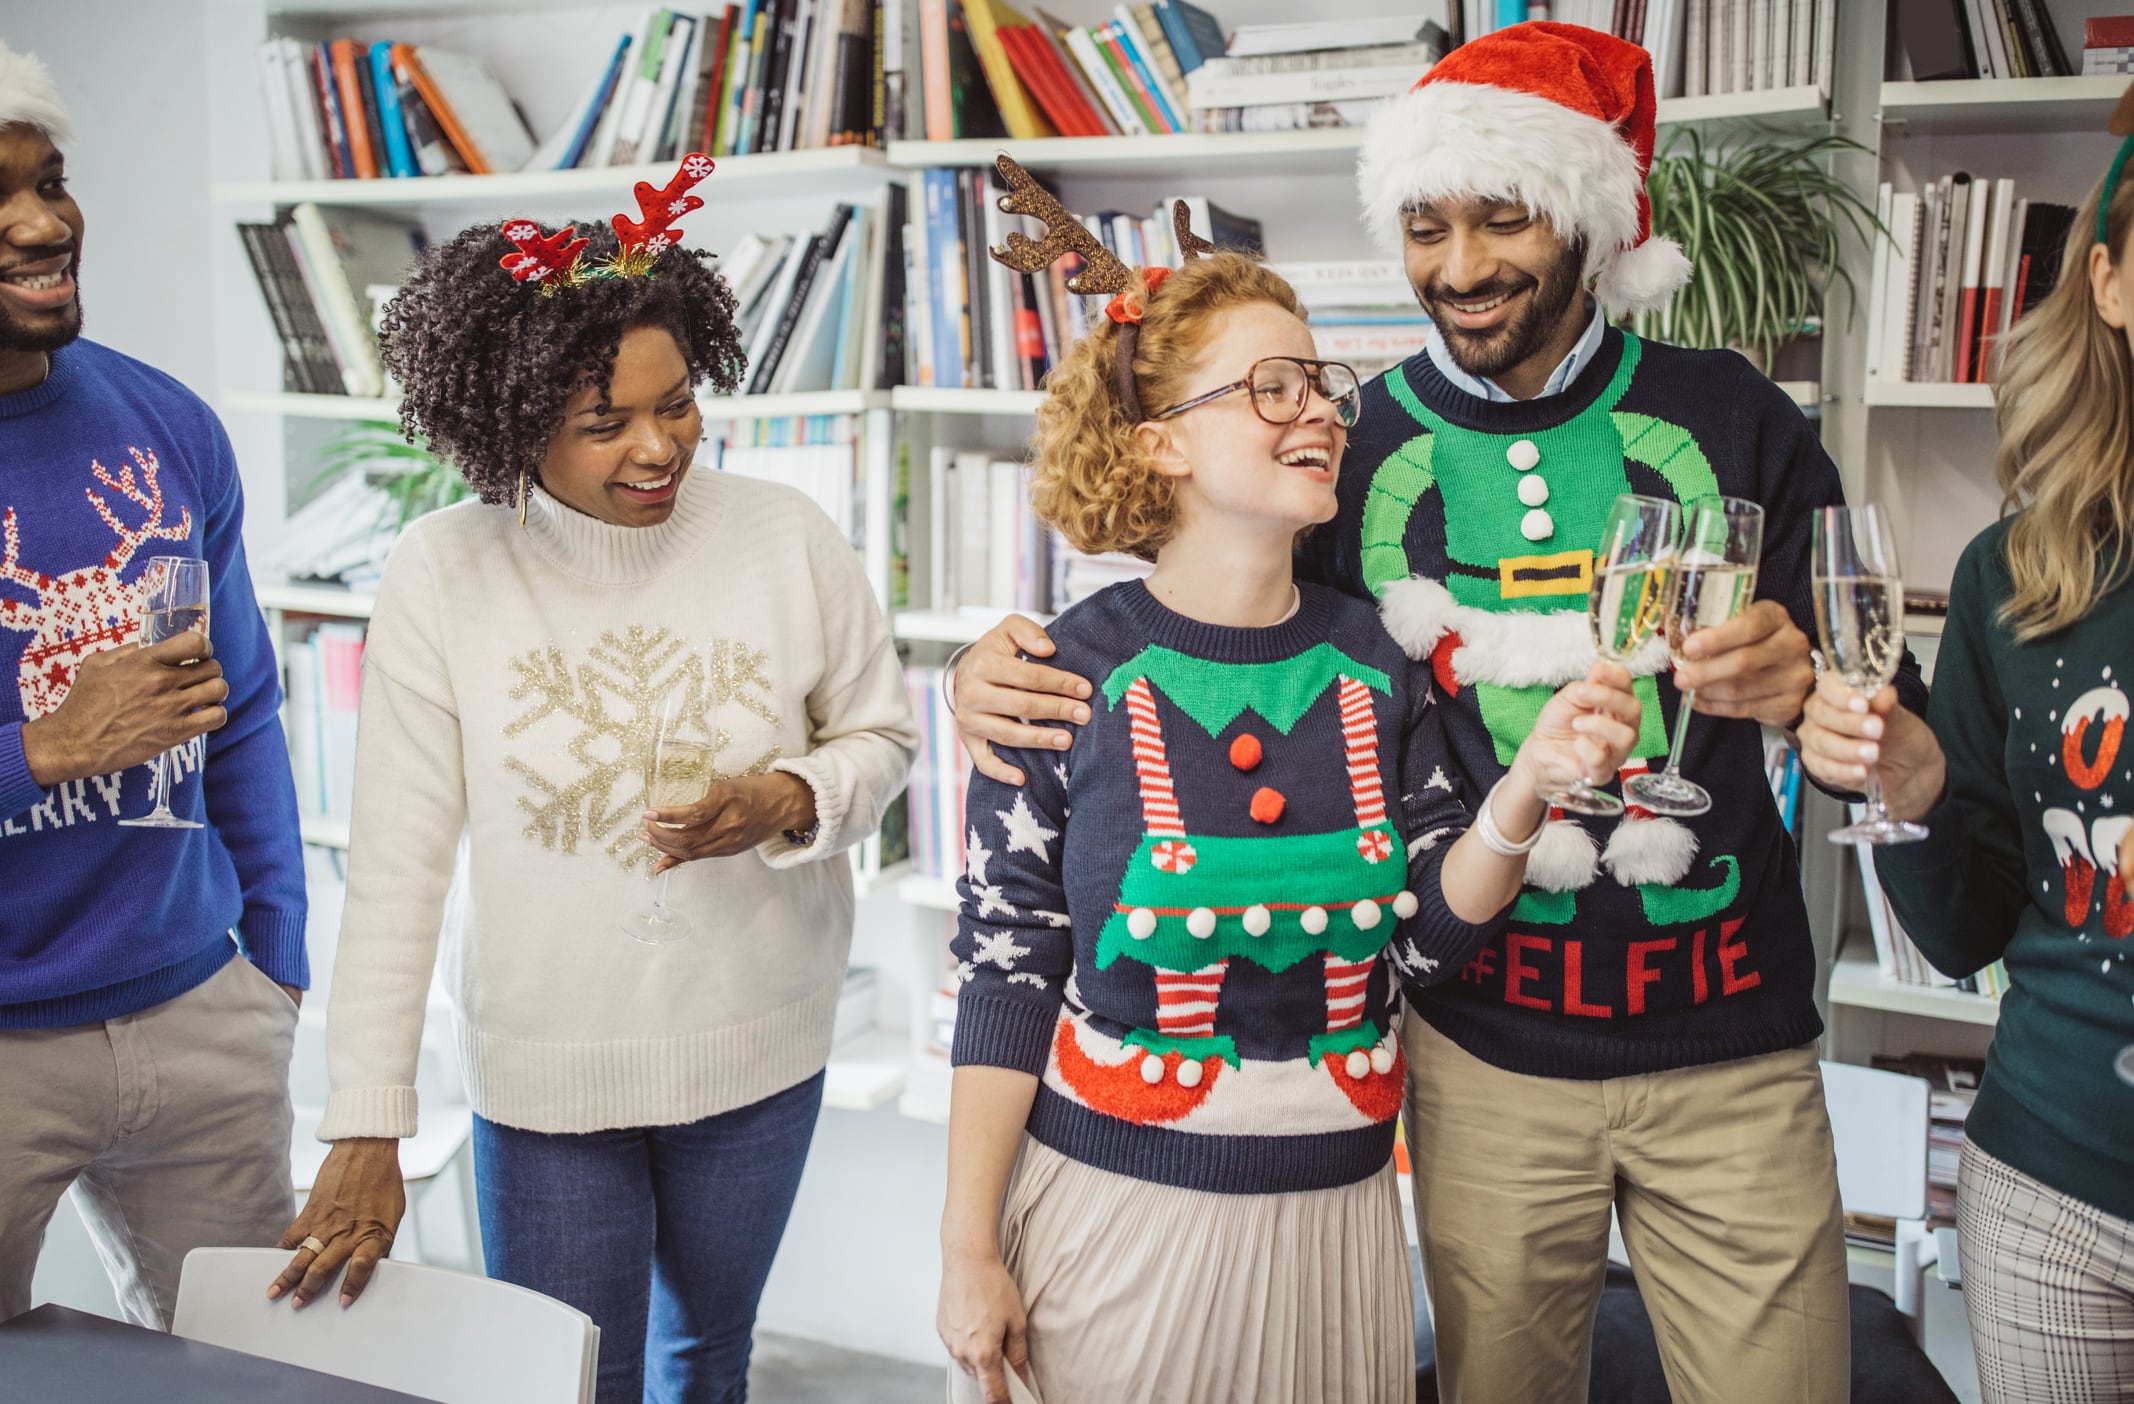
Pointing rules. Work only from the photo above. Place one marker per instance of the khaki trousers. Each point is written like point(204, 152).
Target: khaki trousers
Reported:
point(1725, 1184)
point(172, 1125)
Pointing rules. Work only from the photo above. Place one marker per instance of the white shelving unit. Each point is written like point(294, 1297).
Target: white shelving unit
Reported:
point(1857, 982)
point(1996, 106)
point(1927, 394)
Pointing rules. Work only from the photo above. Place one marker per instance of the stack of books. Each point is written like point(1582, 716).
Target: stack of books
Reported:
point(1319, 73)
point(938, 775)
point(326, 273)
point(1954, 266)
point(2108, 44)
point(987, 551)
point(1363, 311)
point(824, 309)
point(1742, 46)
point(346, 110)
point(979, 68)
point(1075, 577)
point(815, 455)
point(1938, 39)
point(324, 670)
point(1898, 958)
point(1952, 1086)
point(976, 324)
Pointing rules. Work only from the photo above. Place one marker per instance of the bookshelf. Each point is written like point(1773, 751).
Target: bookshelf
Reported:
point(1926, 394)
point(2001, 106)
point(1856, 982)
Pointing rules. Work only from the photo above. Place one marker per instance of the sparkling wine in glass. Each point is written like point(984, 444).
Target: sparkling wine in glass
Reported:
point(174, 599)
point(1628, 605)
point(1714, 580)
point(681, 774)
point(1859, 619)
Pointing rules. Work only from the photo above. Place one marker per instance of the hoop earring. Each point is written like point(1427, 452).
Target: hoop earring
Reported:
point(522, 499)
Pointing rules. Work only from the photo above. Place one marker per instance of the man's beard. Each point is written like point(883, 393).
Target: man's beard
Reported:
point(1490, 353)
point(50, 331)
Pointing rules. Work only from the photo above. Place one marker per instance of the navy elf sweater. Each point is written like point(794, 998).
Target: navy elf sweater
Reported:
point(1639, 944)
point(1188, 924)
point(104, 465)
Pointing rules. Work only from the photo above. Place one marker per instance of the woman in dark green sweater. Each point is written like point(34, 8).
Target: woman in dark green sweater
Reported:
point(2024, 776)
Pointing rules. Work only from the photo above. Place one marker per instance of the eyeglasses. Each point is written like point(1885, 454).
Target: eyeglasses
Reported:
point(1281, 384)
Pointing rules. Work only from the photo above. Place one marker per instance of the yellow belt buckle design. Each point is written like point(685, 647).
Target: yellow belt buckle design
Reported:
point(1563, 573)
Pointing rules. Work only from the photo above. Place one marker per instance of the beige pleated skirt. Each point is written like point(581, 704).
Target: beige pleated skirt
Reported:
point(1145, 1292)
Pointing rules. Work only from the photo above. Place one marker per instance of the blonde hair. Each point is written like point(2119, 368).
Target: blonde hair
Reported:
point(1093, 480)
point(2064, 405)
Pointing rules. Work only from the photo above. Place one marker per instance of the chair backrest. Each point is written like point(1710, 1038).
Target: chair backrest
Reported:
point(442, 1335)
point(1879, 1121)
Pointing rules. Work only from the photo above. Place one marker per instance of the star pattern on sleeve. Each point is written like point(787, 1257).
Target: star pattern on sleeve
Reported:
point(964, 972)
point(989, 902)
point(997, 948)
point(975, 857)
point(1025, 977)
point(1057, 920)
point(1437, 780)
point(1025, 833)
point(1409, 958)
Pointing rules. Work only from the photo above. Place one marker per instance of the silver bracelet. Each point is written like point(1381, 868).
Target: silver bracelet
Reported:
point(948, 676)
point(1493, 837)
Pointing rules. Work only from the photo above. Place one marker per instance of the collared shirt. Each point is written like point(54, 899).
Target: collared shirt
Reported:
point(1566, 371)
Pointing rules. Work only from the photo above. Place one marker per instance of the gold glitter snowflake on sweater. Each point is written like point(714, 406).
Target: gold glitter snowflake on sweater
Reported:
point(618, 695)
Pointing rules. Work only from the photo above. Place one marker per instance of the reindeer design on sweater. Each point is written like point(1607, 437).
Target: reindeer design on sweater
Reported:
point(88, 610)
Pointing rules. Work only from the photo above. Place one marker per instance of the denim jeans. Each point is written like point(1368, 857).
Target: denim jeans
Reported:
point(664, 1235)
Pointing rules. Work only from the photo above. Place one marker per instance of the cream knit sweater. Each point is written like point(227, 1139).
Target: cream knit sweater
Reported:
point(512, 685)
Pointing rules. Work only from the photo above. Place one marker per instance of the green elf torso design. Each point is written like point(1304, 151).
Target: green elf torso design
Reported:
point(1508, 619)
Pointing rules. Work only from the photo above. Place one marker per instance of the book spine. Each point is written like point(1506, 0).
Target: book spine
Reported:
point(1106, 39)
point(363, 159)
point(1144, 75)
point(1694, 41)
point(296, 360)
point(769, 129)
point(400, 160)
point(1091, 61)
point(1967, 302)
point(933, 60)
point(1312, 85)
point(344, 163)
point(788, 316)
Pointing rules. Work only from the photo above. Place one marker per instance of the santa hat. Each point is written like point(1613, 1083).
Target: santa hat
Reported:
point(1555, 116)
point(27, 96)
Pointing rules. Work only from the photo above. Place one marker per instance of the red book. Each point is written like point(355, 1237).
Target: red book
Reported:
point(2022, 284)
point(350, 89)
point(2108, 32)
point(1066, 79)
point(1023, 50)
point(715, 109)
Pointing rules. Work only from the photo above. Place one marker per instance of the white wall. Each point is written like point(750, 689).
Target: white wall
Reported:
point(134, 77)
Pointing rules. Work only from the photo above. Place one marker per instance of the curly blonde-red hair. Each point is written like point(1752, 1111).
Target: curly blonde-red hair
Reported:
point(1094, 481)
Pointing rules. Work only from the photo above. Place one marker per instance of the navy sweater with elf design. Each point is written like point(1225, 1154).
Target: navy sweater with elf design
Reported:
point(1644, 943)
point(1182, 923)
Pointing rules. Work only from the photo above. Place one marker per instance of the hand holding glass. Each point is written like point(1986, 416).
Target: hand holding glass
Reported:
point(681, 774)
point(174, 598)
point(1714, 580)
point(1859, 619)
point(1628, 603)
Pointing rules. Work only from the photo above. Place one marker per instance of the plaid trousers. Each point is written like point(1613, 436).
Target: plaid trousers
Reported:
point(2048, 1286)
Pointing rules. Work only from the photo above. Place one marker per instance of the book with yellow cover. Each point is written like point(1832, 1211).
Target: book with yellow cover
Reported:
point(1025, 121)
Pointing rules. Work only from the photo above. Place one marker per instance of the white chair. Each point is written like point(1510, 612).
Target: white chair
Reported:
point(442, 1335)
point(1878, 1122)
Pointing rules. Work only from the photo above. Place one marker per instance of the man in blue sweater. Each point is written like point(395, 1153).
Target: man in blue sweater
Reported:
point(144, 1065)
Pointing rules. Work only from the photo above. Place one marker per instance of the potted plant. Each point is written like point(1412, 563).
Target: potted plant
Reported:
point(1761, 224)
point(412, 479)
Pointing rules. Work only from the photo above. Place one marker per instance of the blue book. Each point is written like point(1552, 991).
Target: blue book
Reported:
point(399, 156)
point(581, 138)
point(336, 120)
point(944, 276)
point(1510, 12)
point(1196, 36)
point(1130, 45)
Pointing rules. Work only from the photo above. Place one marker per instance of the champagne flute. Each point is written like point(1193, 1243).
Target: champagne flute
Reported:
point(174, 599)
point(1714, 580)
point(1629, 601)
point(1859, 618)
point(681, 773)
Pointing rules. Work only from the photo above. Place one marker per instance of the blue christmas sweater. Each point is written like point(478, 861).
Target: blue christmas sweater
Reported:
point(104, 465)
point(1644, 943)
point(1194, 923)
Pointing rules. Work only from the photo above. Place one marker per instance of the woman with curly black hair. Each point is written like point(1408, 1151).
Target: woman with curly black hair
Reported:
point(643, 1107)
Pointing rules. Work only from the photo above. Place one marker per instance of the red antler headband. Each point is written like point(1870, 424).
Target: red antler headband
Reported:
point(557, 260)
point(1101, 271)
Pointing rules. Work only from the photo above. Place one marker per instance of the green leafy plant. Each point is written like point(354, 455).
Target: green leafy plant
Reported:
point(414, 480)
point(1762, 225)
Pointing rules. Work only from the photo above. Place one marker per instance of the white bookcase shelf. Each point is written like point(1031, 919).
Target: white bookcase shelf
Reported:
point(930, 400)
point(1856, 981)
point(2003, 105)
point(330, 601)
point(1927, 394)
point(827, 170)
point(717, 408)
point(949, 626)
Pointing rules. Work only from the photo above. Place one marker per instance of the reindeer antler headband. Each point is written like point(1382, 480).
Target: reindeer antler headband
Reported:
point(557, 260)
point(1101, 270)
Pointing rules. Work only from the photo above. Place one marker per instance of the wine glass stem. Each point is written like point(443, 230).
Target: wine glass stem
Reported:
point(659, 892)
point(1877, 811)
point(1674, 748)
point(159, 784)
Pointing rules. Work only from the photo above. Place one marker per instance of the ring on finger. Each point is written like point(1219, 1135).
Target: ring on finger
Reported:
point(313, 1246)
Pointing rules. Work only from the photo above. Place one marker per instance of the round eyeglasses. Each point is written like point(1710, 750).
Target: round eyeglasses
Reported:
point(1280, 385)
